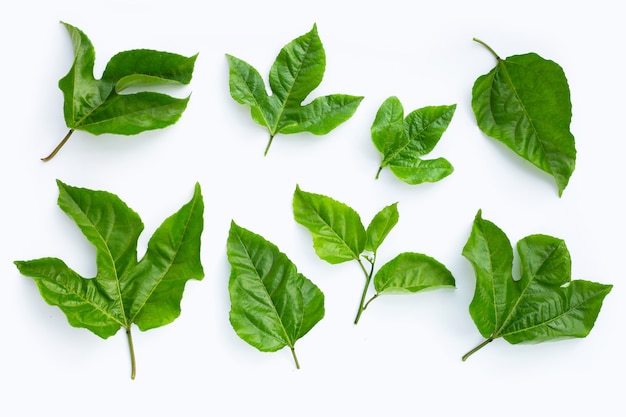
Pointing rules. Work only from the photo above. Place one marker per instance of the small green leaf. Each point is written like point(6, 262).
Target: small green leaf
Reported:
point(338, 233)
point(124, 291)
point(412, 272)
point(380, 226)
point(339, 236)
point(544, 304)
point(403, 141)
point(97, 106)
point(524, 102)
point(272, 304)
point(296, 72)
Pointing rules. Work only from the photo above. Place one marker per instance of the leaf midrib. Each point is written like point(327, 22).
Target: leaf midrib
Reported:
point(273, 130)
point(291, 343)
point(389, 159)
point(329, 226)
point(87, 301)
point(169, 266)
point(525, 112)
point(531, 279)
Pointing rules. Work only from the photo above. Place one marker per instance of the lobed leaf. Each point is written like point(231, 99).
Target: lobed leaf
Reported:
point(97, 107)
point(402, 141)
point(296, 72)
point(338, 233)
point(544, 304)
point(124, 291)
point(524, 102)
point(272, 304)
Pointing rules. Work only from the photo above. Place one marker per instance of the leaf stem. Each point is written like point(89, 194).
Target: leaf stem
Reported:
point(488, 47)
point(267, 148)
point(368, 278)
point(295, 358)
point(133, 365)
point(378, 172)
point(476, 349)
point(369, 301)
point(59, 146)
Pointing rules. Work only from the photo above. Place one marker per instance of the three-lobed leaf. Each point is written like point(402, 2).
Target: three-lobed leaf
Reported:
point(296, 72)
point(272, 304)
point(99, 106)
point(544, 304)
point(524, 102)
point(403, 141)
point(124, 291)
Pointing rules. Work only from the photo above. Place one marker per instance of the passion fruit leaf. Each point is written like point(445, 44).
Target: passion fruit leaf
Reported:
point(272, 304)
point(98, 106)
point(296, 72)
point(124, 291)
point(543, 304)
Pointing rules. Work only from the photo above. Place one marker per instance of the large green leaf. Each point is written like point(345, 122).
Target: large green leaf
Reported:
point(98, 106)
point(402, 141)
point(338, 233)
point(124, 291)
point(272, 304)
point(412, 272)
point(524, 102)
point(544, 304)
point(296, 72)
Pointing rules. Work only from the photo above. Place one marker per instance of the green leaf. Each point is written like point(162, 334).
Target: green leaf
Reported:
point(296, 72)
point(380, 226)
point(97, 106)
point(339, 236)
point(124, 291)
point(403, 141)
point(338, 233)
point(524, 102)
point(544, 304)
point(412, 272)
point(272, 304)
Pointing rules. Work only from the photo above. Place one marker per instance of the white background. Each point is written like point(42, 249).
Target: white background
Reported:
point(404, 357)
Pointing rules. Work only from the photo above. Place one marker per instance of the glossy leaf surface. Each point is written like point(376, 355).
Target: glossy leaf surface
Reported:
point(380, 226)
point(124, 291)
point(338, 233)
point(339, 236)
point(543, 304)
point(403, 141)
point(412, 272)
point(524, 102)
point(98, 106)
point(296, 72)
point(272, 304)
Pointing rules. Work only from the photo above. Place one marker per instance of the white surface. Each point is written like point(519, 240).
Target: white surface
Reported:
point(404, 357)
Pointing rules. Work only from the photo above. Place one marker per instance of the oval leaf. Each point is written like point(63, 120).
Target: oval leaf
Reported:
point(412, 272)
point(524, 102)
point(272, 305)
point(338, 233)
point(380, 226)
